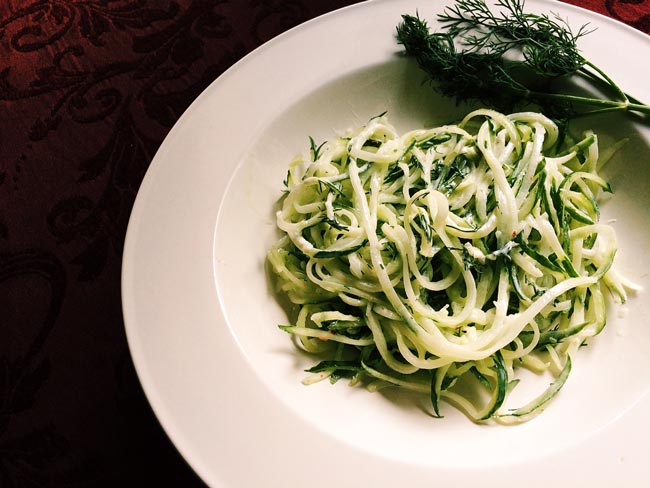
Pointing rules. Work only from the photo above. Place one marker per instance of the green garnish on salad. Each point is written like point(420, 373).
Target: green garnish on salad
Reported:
point(508, 57)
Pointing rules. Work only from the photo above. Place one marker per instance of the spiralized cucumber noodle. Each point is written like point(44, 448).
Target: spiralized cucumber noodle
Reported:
point(444, 260)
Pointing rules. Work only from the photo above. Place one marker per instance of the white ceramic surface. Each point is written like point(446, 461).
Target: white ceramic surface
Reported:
point(201, 318)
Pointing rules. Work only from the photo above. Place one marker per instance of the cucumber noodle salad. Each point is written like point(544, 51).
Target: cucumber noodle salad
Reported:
point(445, 260)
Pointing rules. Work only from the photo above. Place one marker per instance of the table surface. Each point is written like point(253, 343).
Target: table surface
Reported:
point(88, 91)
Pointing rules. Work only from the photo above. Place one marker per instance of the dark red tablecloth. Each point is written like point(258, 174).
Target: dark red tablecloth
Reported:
point(88, 91)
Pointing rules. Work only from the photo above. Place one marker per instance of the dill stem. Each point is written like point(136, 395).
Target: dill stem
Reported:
point(596, 111)
point(608, 105)
point(604, 76)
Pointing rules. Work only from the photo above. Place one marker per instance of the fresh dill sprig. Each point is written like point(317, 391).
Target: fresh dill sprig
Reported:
point(509, 58)
point(548, 46)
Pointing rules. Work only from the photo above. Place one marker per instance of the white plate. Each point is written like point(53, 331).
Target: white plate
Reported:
point(201, 319)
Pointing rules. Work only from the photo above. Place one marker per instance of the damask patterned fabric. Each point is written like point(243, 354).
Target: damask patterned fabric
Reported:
point(88, 91)
point(635, 13)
